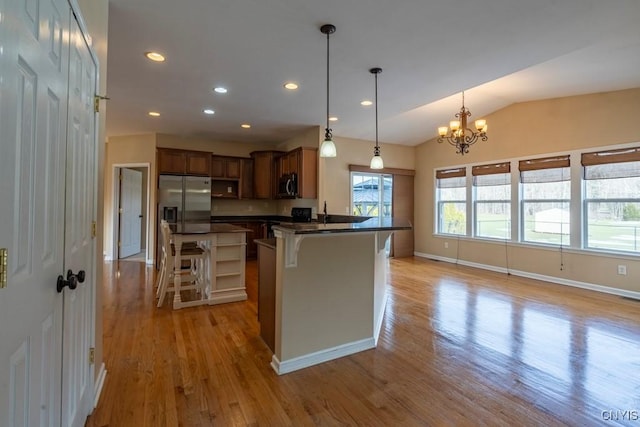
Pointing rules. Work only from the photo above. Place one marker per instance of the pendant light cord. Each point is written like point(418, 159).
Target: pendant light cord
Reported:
point(377, 148)
point(327, 130)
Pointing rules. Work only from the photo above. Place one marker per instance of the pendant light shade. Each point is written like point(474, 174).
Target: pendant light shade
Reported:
point(328, 148)
point(376, 160)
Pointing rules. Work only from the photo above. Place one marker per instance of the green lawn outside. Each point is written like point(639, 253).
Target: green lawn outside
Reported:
point(610, 235)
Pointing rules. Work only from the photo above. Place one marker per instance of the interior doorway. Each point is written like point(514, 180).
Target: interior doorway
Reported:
point(131, 212)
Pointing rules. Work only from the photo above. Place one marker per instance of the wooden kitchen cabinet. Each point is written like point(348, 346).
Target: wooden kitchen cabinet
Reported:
point(246, 179)
point(223, 167)
point(255, 234)
point(264, 179)
point(183, 162)
point(303, 162)
point(197, 163)
point(171, 161)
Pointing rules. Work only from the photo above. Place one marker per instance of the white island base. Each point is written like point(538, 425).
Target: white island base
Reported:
point(330, 295)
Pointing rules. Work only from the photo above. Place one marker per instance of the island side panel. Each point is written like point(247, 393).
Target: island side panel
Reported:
point(327, 300)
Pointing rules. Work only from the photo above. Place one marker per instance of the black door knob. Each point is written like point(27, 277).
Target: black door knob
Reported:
point(81, 276)
point(71, 282)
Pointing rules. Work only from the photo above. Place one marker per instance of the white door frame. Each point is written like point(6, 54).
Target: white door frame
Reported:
point(115, 201)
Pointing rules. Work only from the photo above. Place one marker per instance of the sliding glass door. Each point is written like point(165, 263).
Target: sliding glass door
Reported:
point(371, 194)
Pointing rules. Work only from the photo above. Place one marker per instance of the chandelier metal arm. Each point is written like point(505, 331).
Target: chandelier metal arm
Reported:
point(463, 137)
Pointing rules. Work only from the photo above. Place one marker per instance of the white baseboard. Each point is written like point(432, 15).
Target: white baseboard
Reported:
point(286, 366)
point(544, 278)
point(378, 326)
point(97, 389)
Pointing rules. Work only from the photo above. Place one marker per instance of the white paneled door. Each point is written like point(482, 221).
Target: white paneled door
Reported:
point(130, 212)
point(79, 247)
point(35, 344)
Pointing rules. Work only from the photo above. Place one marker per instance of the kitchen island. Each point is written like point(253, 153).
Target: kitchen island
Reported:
point(225, 269)
point(330, 291)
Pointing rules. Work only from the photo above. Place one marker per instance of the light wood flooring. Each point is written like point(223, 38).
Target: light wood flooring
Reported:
point(458, 346)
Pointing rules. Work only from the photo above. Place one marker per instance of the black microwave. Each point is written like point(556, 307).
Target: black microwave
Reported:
point(288, 186)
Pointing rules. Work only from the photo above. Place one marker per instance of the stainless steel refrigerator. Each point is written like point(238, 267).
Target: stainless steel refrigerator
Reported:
point(182, 199)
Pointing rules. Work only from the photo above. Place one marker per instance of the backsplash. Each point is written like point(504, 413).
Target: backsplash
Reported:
point(224, 207)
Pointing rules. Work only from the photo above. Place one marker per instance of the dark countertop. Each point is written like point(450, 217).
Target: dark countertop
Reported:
point(250, 218)
point(372, 224)
point(206, 228)
point(269, 243)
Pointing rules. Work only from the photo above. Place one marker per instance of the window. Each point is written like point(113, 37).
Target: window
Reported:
point(371, 194)
point(451, 197)
point(546, 195)
point(612, 200)
point(492, 190)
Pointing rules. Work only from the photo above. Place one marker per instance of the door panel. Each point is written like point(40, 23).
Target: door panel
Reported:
point(130, 217)
point(33, 94)
point(79, 244)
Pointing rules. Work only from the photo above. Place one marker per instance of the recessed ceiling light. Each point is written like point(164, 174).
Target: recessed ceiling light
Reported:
point(208, 111)
point(333, 119)
point(366, 103)
point(220, 89)
point(245, 126)
point(291, 86)
point(155, 56)
point(154, 114)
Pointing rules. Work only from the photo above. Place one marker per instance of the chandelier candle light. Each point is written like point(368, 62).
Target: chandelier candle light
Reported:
point(376, 160)
point(328, 148)
point(461, 136)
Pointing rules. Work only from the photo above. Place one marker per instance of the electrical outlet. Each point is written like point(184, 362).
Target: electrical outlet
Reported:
point(346, 210)
point(622, 270)
point(446, 245)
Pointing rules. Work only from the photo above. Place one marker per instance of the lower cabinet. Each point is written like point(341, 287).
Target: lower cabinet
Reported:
point(257, 232)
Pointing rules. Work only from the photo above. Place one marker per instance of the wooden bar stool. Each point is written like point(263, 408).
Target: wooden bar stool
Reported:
point(192, 257)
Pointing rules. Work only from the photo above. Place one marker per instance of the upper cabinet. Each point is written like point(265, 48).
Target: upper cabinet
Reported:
point(303, 162)
point(171, 161)
point(264, 174)
point(198, 163)
point(246, 180)
point(183, 162)
point(223, 167)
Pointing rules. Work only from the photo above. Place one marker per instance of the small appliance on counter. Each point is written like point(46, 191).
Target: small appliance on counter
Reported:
point(301, 214)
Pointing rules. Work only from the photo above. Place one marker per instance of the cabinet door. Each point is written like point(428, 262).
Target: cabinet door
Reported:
point(292, 161)
point(232, 168)
point(262, 175)
point(171, 161)
point(198, 163)
point(217, 167)
point(308, 173)
point(246, 180)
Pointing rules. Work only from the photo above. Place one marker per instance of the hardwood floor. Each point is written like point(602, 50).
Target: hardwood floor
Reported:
point(459, 346)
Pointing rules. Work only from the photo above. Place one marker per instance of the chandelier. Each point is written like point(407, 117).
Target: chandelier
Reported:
point(459, 135)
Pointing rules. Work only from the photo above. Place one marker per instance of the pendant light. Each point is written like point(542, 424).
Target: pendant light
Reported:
point(376, 160)
point(328, 148)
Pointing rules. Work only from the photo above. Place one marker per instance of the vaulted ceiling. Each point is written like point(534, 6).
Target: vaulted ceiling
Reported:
point(498, 51)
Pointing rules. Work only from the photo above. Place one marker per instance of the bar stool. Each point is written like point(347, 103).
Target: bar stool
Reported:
point(195, 258)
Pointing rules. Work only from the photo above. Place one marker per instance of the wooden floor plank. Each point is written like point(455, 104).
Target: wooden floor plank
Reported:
point(458, 346)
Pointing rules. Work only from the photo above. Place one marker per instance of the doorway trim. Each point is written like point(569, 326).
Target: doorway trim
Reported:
point(115, 217)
